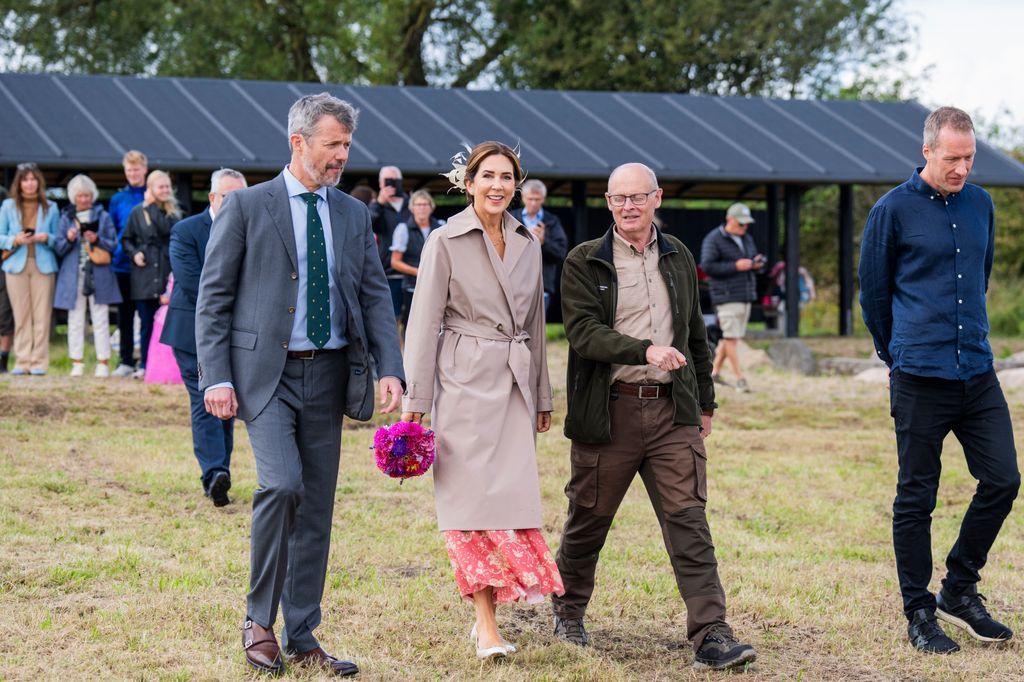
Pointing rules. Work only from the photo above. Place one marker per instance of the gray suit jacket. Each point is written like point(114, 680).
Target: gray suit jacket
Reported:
point(248, 291)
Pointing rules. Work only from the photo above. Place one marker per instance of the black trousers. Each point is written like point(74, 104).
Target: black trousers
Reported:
point(925, 410)
point(126, 319)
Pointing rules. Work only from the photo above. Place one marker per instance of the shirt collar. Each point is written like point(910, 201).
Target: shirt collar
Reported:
point(918, 184)
point(295, 188)
point(623, 242)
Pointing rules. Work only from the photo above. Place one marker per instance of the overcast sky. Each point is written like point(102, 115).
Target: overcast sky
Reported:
point(977, 52)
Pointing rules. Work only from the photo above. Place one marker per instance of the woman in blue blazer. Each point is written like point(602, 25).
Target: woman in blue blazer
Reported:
point(27, 225)
point(85, 243)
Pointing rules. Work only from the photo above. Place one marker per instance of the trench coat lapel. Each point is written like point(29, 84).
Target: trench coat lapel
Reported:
point(516, 242)
point(280, 209)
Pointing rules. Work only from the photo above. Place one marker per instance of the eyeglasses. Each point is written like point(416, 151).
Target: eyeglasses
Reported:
point(27, 166)
point(637, 199)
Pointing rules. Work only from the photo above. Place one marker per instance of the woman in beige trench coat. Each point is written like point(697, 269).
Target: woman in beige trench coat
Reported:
point(475, 359)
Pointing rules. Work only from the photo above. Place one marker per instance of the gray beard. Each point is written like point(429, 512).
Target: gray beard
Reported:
point(318, 177)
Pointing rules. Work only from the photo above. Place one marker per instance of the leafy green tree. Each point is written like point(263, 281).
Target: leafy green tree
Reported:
point(706, 46)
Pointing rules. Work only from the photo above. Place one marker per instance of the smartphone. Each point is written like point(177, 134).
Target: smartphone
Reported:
point(396, 183)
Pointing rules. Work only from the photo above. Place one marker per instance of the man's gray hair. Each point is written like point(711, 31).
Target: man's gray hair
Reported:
point(80, 184)
point(654, 178)
point(309, 109)
point(388, 169)
point(946, 117)
point(219, 175)
point(534, 185)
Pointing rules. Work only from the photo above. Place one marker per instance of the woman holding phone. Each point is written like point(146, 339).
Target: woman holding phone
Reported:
point(27, 224)
point(85, 243)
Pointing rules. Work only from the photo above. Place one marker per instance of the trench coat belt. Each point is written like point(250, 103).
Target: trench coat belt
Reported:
point(519, 356)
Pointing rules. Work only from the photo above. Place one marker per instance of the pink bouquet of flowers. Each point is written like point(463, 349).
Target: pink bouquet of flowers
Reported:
point(404, 449)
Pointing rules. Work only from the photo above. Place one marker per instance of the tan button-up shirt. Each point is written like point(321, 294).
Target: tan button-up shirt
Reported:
point(644, 310)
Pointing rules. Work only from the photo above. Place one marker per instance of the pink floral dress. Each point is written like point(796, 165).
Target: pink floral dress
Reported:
point(516, 563)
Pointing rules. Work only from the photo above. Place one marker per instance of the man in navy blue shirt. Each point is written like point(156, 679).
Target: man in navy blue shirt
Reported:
point(925, 262)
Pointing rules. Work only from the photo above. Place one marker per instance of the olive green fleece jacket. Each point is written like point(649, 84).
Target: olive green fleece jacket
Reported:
point(589, 297)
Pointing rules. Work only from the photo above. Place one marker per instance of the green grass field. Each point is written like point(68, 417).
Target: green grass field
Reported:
point(114, 566)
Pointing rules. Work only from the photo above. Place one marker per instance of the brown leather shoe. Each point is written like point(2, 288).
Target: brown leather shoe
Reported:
point(320, 658)
point(261, 649)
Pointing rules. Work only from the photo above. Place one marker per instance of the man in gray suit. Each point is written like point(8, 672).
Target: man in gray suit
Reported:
point(292, 304)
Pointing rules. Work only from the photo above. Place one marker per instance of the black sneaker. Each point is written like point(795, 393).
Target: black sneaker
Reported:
point(220, 484)
point(571, 630)
point(926, 635)
point(967, 611)
point(720, 650)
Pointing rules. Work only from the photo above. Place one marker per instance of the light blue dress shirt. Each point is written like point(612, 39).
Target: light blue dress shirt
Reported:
point(299, 340)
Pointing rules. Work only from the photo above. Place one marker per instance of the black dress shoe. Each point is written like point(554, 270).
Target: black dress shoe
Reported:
point(220, 484)
point(319, 658)
point(261, 649)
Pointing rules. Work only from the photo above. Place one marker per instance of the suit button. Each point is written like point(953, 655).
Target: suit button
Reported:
point(291, 309)
point(295, 275)
point(284, 344)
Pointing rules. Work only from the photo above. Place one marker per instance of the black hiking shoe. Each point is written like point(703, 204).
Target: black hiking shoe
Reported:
point(926, 635)
point(720, 650)
point(967, 611)
point(571, 630)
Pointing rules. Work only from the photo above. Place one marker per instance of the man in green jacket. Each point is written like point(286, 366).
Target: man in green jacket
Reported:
point(641, 400)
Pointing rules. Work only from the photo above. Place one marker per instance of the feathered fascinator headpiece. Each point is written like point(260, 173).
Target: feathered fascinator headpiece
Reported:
point(457, 175)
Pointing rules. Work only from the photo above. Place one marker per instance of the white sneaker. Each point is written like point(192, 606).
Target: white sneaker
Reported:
point(124, 371)
point(140, 373)
point(102, 370)
point(77, 369)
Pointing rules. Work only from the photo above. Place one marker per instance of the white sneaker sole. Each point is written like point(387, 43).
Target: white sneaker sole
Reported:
point(963, 624)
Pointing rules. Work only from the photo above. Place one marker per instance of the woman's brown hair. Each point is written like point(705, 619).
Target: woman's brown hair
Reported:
point(19, 201)
point(486, 149)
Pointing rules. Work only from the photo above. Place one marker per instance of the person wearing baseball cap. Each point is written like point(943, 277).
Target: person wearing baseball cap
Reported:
point(730, 258)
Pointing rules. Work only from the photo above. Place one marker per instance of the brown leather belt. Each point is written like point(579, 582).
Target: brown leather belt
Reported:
point(310, 354)
point(644, 391)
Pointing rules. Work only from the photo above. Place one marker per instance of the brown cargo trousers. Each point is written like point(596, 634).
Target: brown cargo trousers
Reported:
point(672, 463)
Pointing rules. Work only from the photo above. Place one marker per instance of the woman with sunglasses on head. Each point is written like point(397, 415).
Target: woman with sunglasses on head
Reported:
point(27, 225)
point(147, 243)
point(475, 359)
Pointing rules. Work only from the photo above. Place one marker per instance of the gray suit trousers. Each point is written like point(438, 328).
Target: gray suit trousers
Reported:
point(296, 441)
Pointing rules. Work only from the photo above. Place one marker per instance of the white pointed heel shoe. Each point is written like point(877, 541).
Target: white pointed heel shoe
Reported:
point(499, 651)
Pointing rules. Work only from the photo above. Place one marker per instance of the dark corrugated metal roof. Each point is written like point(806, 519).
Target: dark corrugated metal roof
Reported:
point(87, 122)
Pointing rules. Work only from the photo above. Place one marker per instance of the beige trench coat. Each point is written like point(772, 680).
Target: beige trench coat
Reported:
point(475, 359)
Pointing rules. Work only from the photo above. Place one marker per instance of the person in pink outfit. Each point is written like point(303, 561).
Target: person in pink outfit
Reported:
point(161, 367)
point(475, 359)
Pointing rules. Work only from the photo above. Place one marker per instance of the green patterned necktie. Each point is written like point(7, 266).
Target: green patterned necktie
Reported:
point(318, 288)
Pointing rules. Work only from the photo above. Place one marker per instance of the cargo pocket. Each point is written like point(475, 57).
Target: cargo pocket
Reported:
point(700, 471)
point(582, 487)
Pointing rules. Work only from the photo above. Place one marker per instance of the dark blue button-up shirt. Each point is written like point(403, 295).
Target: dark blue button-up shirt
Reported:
point(924, 268)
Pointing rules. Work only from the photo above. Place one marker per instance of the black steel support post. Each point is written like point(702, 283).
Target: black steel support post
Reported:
point(184, 192)
point(845, 260)
point(792, 208)
point(580, 232)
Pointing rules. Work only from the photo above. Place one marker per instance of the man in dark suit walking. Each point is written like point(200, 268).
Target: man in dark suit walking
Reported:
point(292, 304)
point(548, 229)
point(212, 438)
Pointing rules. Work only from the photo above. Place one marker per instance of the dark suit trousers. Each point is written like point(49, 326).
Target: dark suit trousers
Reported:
point(672, 463)
point(925, 411)
point(296, 441)
point(212, 438)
